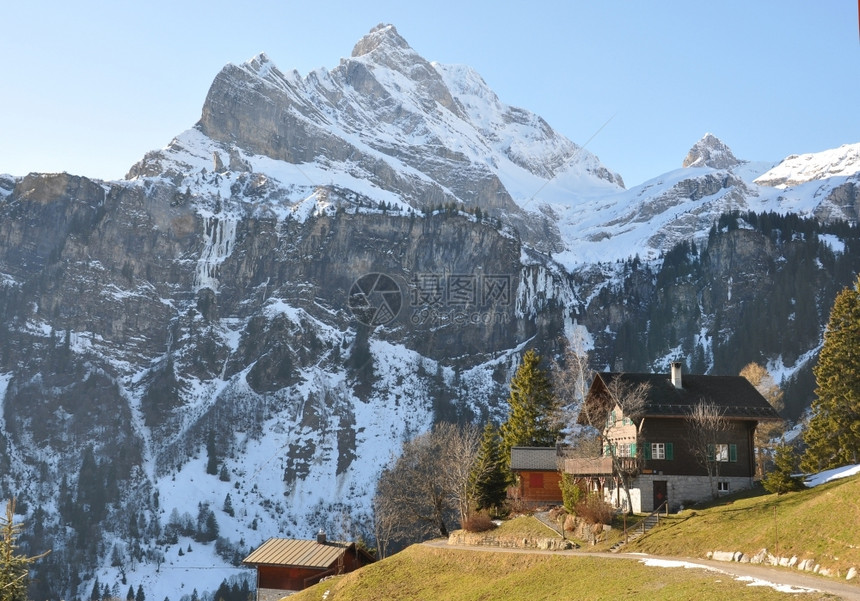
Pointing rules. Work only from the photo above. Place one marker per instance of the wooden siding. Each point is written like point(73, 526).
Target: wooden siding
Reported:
point(548, 490)
point(292, 565)
point(683, 462)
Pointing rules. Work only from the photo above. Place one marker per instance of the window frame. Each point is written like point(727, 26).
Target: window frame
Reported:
point(668, 453)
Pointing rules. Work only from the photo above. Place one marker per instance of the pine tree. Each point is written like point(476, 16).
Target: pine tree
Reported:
point(833, 433)
point(129, 596)
point(780, 480)
point(533, 409)
point(212, 454)
point(139, 596)
point(14, 568)
point(489, 479)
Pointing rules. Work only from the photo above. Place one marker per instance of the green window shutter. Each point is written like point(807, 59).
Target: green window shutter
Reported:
point(646, 450)
point(633, 449)
point(670, 450)
point(733, 452)
point(712, 455)
point(606, 450)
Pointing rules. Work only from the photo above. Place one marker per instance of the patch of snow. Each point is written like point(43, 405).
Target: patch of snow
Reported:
point(802, 168)
point(834, 474)
point(834, 242)
point(671, 563)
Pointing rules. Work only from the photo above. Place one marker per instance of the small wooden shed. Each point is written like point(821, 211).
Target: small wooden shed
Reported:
point(287, 565)
point(538, 474)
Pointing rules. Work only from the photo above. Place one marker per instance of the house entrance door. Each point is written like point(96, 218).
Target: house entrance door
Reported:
point(661, 492)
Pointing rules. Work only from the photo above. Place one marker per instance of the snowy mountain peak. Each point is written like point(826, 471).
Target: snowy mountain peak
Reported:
point(801, 168)
point(710, 151)
point(383, 35)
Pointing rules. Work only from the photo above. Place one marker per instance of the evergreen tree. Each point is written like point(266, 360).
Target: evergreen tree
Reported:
point(228, 506)
point(211, 531)
point(14, 568)
point(97, 590)
point(139, 596)
point(129, 596)
point(489, 479)
point(780, 480)
point(533, 409)
point(212, 454)
point(833, 433)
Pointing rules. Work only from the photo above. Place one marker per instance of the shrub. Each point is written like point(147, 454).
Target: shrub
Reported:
point(781, 480)
point(478, 522)
point(571, 492)
point(594, 510)
point(516, 505)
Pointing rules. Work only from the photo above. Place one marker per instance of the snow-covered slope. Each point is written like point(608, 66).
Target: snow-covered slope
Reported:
point(208, 294)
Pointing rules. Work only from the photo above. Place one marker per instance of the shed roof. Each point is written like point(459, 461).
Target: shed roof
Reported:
point(544, 459)
point(291, 552)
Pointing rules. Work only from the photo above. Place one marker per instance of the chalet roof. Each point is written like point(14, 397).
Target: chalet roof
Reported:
point(290, 552)
point(544, 459)
point(733, 395)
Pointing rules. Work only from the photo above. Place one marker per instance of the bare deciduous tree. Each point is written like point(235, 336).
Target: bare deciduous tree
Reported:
point(459, 447)
point(630, 399)
point(427, 487)
point(571, 377)
point(767, 434)
point(706, 423)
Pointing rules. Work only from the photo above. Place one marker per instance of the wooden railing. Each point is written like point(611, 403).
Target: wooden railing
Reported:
point(656, 513)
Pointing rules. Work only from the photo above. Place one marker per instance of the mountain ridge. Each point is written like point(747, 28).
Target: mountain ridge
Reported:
point(217, 292)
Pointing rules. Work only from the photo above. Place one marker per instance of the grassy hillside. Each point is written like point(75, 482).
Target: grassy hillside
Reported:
point(821, 523)
point(432, 574)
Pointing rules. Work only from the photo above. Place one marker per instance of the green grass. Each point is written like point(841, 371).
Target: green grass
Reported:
point(528, 527)
point(822, 523)
point(426, 573)
point(524, 526)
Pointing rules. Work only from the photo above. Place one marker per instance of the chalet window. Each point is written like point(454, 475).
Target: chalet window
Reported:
point(536, 480)
point(658, 450)
point(611, 420)
point(723, 452)
point(723, 487)
point(627, 449)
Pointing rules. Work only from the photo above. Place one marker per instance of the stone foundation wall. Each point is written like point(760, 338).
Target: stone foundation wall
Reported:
point(681, 490)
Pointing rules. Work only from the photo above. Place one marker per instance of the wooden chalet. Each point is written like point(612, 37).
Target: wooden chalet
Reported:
point(285, 566)
point(655, 448)
point(538, 474)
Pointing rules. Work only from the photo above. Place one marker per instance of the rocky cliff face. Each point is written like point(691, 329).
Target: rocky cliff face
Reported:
point(324, 266)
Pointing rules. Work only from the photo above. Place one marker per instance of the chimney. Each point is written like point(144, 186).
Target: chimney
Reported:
point(676, 374)
point(321, 537)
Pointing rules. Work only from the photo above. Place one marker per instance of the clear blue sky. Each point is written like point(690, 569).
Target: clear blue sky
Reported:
point(89, 87)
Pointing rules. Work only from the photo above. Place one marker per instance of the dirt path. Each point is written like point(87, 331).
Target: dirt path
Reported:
point(785, 577)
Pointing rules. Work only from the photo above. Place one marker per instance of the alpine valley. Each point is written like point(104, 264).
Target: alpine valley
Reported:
point(232, 342)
